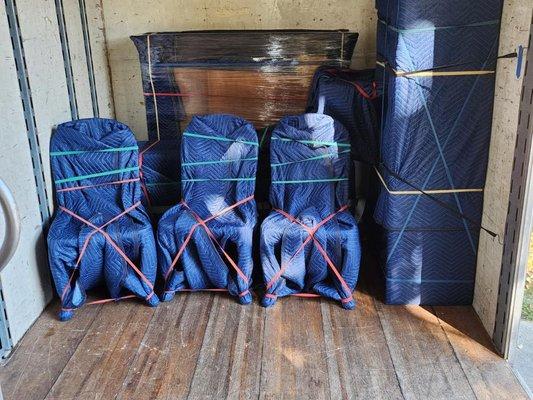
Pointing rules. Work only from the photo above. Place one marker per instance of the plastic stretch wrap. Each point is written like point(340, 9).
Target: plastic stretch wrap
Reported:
point(101, 235)
point(160, 174)
point(258, 75)
point(436, 60)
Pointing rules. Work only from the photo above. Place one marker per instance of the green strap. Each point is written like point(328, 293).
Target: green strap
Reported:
point(263, 137)
point(311, 181)
point(219, 138)
point(329, 155)
point(438, 28)
point(96, 175)
point(219, 179)
point(162, 184)
point(76, 152)
point(317, 142)
point(192, 164)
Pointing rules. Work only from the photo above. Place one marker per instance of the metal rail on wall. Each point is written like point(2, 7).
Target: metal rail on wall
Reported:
point(519, 222)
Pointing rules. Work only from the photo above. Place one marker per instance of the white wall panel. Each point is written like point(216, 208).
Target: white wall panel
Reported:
point(102, 77)
point(46, 72)
point(78, 58)
point(25, 281)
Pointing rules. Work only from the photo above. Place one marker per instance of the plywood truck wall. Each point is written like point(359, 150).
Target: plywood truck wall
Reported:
point(516, 20)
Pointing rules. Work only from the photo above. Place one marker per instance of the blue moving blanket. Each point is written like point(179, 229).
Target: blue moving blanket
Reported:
point(310, 164)
point(218, 162)
point(101, 235)
point(437, 61)
point(351, 98)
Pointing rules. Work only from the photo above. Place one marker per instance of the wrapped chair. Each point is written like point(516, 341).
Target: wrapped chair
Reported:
point(101, 234)
point(310, 242)
point(205, 242)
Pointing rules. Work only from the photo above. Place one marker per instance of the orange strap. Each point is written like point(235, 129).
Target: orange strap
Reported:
point(99, 229)
point(203, 224)
point(311, 232)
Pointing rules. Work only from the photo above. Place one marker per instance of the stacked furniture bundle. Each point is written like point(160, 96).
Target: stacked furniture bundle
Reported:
point(259, 75)
point(310, 241)
point(438, 61)
point(353, 98)
point(205, 241)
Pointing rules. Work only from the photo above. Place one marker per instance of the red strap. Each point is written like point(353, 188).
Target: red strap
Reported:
point(215, 241)
point(311, 232)
point(197, 290)
point(110, 241)
point(130, 296)
point(86, 244)
point(363, 93)
point(359, 88)
point(203, 224)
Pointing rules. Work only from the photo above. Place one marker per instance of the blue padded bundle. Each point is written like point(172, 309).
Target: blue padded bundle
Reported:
point(160, 166)
point(94, 153)
point(310, 164)
point(218, 163)
point(437, 63)
point(350, 97)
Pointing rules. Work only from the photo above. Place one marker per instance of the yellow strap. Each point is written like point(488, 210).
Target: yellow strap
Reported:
point(437, 73)
point(418, 192)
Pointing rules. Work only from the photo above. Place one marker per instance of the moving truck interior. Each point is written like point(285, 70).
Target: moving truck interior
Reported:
point(266, 199)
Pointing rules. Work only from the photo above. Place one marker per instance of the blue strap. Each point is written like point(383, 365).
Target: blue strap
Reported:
point(439, 28)
point(162, 184)
point(210, 162)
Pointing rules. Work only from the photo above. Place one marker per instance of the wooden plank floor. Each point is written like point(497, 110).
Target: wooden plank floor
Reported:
point(203, 346)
